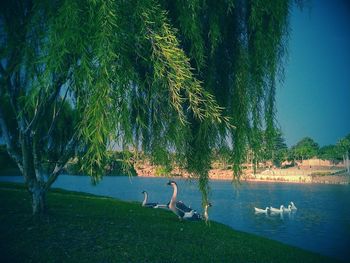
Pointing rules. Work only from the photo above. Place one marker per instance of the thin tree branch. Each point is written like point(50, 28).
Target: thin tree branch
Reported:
point(69, 150)
point(46, 103)
point(39, 102)
point(55, 118)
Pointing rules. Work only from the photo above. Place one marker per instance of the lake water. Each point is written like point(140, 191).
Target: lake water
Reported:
point(321, 223)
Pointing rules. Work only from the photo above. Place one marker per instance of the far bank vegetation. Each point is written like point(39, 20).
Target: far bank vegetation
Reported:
point(305, 156)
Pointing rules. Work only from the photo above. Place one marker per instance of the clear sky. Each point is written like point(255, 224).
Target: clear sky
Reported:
point(314, 99)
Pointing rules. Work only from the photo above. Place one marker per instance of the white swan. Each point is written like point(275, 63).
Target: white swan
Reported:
point(261, 211)
point(276, 210)
point(145, 203)
point(152, 205)
point(289, 209)
point(293, 207)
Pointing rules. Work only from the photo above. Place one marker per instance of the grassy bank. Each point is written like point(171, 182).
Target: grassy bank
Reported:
point(86, 228)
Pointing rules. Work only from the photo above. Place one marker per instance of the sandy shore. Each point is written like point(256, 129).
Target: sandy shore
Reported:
point(291, 175)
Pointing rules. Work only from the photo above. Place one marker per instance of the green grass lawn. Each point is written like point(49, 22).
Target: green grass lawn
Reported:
point(86, 228)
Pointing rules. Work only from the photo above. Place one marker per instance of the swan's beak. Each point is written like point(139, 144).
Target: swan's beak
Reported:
point(168, 183)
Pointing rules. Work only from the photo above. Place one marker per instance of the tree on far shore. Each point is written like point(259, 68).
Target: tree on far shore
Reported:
point(280, 149)
point(306, 148)
point(344, 148)
point(329, 152)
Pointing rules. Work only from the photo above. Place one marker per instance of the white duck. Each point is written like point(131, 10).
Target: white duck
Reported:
point(289, 209)
point(276, 210)
point(261, 211)
point(179, 208)
point(293, 207)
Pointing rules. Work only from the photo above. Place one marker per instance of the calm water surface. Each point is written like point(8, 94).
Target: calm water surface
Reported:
point(321, 223)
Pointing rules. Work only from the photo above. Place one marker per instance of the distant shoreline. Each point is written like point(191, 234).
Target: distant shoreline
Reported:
point(334, 179)
point(269, 176)
point(293, 175)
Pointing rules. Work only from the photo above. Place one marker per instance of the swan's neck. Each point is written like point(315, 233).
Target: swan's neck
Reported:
point(145, 198)
point(173, 198)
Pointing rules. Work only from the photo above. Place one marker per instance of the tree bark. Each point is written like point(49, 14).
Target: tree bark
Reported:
point(32, 173)
point(38, 194)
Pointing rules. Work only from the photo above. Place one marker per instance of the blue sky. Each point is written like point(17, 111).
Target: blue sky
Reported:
point(314, 99)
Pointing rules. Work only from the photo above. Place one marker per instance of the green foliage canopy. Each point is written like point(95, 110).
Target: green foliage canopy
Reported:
point(329, 152)
point(170, 77)
point(237, 48)
point(306, 148)
point(344, 144)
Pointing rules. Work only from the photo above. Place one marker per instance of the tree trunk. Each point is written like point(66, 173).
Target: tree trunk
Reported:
point(38, 194)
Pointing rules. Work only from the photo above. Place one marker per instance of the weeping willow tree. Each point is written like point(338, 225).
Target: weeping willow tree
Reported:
point(178, 79)
point(238, 49)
